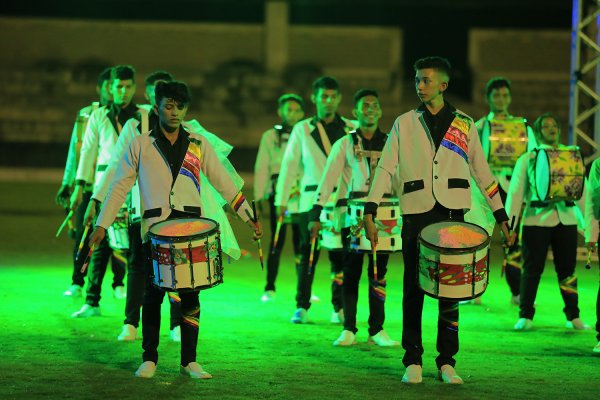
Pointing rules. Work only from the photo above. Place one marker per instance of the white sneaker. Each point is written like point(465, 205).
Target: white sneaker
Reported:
point(447, 374)
point(195, 371)
point(314, 298)
point(337, 317)
point(128, 333)
point(578, 325)
point(347, 338)
point(596, 348)
point(382, 339)
point(175, 334)
point(413, 374)
point(86, 311)
point(146, 370)
point(523, 324)
point(120, 293)
point(268, 295)
point(74, 291)
point(300, 316)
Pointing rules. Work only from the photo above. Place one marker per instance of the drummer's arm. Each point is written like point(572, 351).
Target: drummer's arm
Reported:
point(519, 185)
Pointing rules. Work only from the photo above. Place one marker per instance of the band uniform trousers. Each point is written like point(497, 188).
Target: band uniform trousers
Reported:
point(514, 258)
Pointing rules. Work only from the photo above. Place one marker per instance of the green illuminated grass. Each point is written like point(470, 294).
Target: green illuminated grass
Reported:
point(251, 348)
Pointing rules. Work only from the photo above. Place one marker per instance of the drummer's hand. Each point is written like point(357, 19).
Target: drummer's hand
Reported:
point(90, 213)
point(509, 236)
point(281, 211)
point(97, 236)
point(591, 246)
point(370, 229)
point(76, 197)
point(255, 226)
point(314, 227)
point(62, 196)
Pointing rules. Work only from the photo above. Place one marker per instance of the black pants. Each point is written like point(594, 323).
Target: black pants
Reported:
point(275, 253)
point(413, 296)
point(514, 263)
point(353, 267)
point(536, 239)
point(136, 282)
point(190, 316)
point(306, 275)
point(78, 277)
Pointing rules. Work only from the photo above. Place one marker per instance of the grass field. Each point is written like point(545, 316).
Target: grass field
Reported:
point(251, 348)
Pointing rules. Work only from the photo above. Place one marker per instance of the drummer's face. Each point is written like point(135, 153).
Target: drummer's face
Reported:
point(499, 100)
point(550, 133)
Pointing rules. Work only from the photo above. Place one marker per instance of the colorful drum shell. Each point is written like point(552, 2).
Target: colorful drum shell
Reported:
point(559, 174)
point(173, 268)
point(118, 234)
point(453, 273)
point(388, 222)
point(508, 141)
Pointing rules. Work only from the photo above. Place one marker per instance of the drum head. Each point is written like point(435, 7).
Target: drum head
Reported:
point(182, 227)
point(542, 174)
point(454, 235)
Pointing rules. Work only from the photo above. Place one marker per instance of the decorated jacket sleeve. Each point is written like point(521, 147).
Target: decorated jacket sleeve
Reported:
point(519, 186)
point(89, 149)
point(386, 168)
point(262, 172)
point(220, 179)
point(483, 177)
point(128, 133)
point(124, 179)
point(290, 166)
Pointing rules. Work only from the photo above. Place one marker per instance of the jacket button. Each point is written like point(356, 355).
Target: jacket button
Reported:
point(172, 205)
point(172, 193)
point(435, 177)
point(435, 162)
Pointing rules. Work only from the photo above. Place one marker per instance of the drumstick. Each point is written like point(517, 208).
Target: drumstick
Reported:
point(85, 232)
point(276, 237)
point(87, 258)
point(588, 264)
point(313, 242)
point(375, 261)
point(258, 242)
point(64, 223)
point(506, 249)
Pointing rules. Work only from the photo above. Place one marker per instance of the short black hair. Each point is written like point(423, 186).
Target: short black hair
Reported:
point(360, 93)
point(176, 90)
point(290, 97)
point(325, 82)
point(537, 124)
point(159, 75)
point(496, 82)
point(434, 62)
point(122, 72)
point(104, 76)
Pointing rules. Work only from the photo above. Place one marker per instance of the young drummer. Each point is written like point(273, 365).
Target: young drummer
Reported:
point(355, 157)
point(167, 162)
point(266, 170)
point(306, 154)
point(592, 218)
point(545, 223)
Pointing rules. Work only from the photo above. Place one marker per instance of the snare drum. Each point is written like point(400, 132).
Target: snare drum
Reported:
point(508, 141)
point(453, 260)
point(559, 173)
point(331, 236)
point(118, 236)
point(186, 254)
point(388, 223)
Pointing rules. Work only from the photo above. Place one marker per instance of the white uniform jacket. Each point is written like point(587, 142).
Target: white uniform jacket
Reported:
point(79, 128)
point(98, 143)
point(592, 203)
point(159, 194)
point(538, 213)
point(425, 175)
point(303, 154)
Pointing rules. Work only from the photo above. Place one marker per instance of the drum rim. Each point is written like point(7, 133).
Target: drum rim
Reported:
point(187, 238)
point(462, 250)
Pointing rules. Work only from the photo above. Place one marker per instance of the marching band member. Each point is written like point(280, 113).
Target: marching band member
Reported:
point(355, 156)
point(266, 170)
point(431, 153)
point(545, 223)
point(306, 154)
point(101, 134)
point(592, 219)
point(136, 276)
point(68, 181)
point(167, 161)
